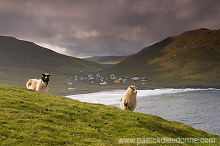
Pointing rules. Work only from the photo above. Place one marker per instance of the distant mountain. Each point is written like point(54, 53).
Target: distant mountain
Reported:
point(21, 60)
point(93, 58)
point(191, 58)
point(107, 59)
point(111, 59)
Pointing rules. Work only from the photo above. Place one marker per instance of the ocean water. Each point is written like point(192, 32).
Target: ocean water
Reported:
point(199, 108)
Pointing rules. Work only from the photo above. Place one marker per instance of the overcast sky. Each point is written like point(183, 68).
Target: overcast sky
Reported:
point(104, 27)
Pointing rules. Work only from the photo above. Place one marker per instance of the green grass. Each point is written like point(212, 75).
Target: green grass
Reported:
point(34, 118)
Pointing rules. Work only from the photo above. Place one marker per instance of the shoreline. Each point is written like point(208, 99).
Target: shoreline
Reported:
point(139, 88)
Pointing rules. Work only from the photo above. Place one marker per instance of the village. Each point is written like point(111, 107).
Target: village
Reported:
point(98, 79)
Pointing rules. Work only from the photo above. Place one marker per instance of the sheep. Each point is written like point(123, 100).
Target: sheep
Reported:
point(40, 85)
point(128, 100)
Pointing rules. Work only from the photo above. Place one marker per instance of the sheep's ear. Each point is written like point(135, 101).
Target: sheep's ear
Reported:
point(48, 75)
point(131, 87)
point(43, 74)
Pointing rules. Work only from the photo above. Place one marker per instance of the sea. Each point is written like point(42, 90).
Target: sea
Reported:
point(199, 108)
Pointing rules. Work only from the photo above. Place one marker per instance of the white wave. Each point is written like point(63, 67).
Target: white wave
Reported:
point(104, 97)
point(165, 91)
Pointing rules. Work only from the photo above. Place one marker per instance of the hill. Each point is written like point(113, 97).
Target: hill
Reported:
point(21, 60)
point(33, 118)
point(107, 59)
point(191, 58)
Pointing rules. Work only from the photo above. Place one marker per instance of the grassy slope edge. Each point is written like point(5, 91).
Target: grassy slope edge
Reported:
point(33, 118)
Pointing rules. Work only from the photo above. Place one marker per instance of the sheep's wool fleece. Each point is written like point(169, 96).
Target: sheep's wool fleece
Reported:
point(129, 98)
point(37, 84)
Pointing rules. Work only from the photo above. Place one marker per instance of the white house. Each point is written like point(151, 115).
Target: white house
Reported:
point(103, 83)
point(136, 78)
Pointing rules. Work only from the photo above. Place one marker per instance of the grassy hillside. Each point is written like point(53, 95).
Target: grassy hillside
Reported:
point(21, 60)
point(33, 118)
point(191, 58)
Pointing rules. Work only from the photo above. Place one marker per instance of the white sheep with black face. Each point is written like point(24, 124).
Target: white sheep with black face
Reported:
point(40, 85)
point(128, 100)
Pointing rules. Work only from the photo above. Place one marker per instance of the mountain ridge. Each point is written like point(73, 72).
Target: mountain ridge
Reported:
point(190, 58)
point(21, 60)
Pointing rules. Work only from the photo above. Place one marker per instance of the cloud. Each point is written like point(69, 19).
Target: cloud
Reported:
point(86, 35)
point(102, 27)
point(54, 48)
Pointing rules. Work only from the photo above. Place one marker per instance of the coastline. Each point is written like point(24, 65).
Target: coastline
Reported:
point(139, 88)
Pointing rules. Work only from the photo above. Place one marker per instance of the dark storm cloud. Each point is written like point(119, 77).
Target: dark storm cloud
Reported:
point(104, 27)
